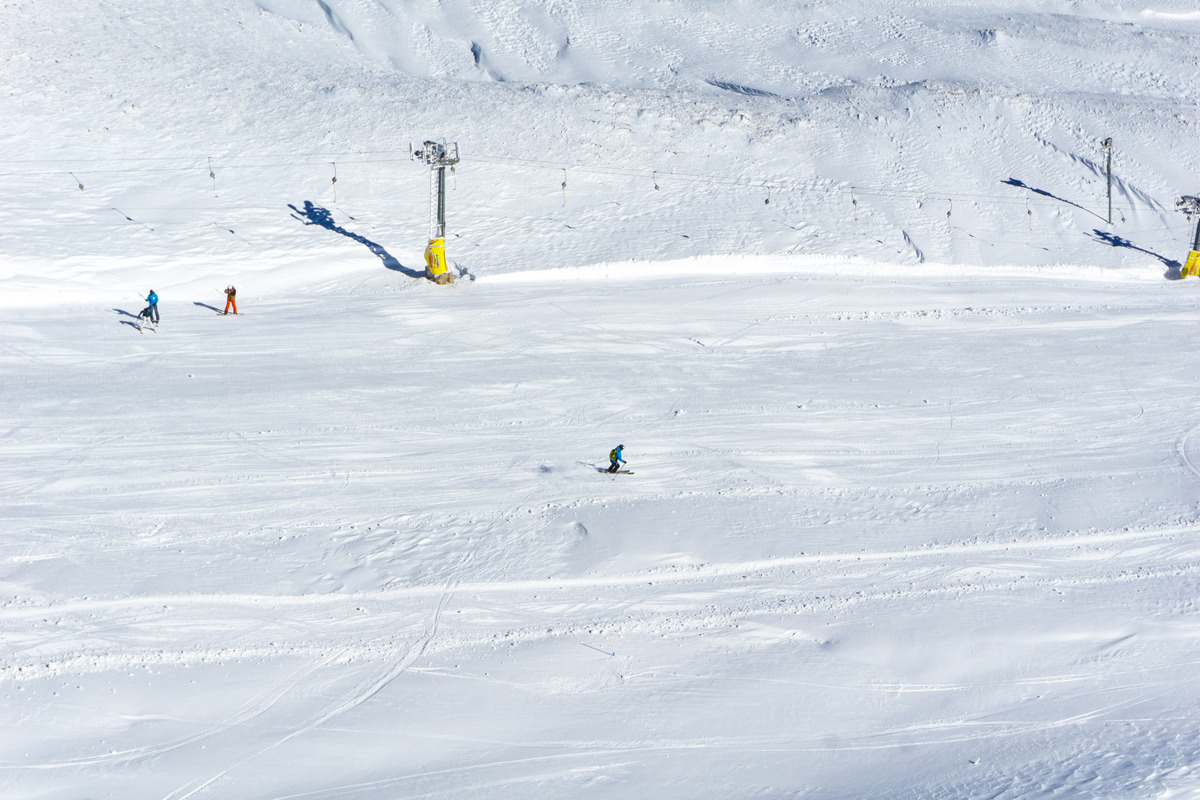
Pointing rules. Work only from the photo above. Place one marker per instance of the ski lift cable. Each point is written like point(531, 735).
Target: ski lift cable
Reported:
point(815, 184)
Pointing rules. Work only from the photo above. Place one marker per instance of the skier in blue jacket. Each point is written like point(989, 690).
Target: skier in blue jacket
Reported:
point(152, 309)
point(615, 458)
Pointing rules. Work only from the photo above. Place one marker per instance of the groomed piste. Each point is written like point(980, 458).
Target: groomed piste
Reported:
point(914, 506)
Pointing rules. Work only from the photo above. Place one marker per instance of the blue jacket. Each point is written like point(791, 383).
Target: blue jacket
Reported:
point(152, 299)
point(615, 456)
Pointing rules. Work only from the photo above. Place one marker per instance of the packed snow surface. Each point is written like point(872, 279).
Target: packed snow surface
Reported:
point(914, 507)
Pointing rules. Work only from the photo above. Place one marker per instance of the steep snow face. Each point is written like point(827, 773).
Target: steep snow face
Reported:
point(590, 132)
point(766, 48)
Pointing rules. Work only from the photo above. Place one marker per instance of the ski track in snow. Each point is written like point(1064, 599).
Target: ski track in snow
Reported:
point(742, 562)
point(1092, 543)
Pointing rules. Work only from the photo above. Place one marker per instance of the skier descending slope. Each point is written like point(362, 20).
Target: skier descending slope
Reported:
point(615, 458)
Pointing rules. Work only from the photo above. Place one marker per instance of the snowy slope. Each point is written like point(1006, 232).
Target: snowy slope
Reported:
point(938, 541)
point(914, 507)
point(863, 125)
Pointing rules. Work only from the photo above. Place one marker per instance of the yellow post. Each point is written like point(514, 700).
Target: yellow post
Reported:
point(1192, 267)
point(435, 262)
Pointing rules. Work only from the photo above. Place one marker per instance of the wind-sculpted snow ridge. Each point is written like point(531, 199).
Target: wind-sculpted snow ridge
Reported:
point(790, 46)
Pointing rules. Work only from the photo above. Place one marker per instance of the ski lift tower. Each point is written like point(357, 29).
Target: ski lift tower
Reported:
point(1191, 206)
point(438, 155)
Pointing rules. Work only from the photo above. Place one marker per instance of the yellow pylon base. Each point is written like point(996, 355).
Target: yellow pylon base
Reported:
point(1192, 267)
point(435, 262)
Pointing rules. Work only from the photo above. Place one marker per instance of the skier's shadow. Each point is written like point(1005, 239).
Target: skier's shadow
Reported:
point(137, 326)
point(316, 215)
point(210, 308)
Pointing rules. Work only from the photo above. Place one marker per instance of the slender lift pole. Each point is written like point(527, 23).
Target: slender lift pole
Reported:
point(438, 155)
point(1108, 172)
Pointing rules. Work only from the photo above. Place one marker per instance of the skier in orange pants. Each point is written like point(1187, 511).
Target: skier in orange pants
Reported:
point(231, 299)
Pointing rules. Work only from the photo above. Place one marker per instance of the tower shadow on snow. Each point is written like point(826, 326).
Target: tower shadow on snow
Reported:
point(1113, 240)
point(317, 215)
point(1105, 237)
point(1022, 185)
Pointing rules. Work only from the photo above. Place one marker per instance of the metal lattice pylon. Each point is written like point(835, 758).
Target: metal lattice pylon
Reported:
point(438, 155)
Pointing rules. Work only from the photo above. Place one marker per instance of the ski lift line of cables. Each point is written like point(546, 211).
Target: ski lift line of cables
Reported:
point(762, 183)
point(754, 182)
point(814, 185)
point(779, 183)
point(655, 174)
point(279, 161)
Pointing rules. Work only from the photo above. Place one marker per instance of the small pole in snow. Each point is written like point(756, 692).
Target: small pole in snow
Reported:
point(1108, 171)
point(72, 174)
point(334, 180)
